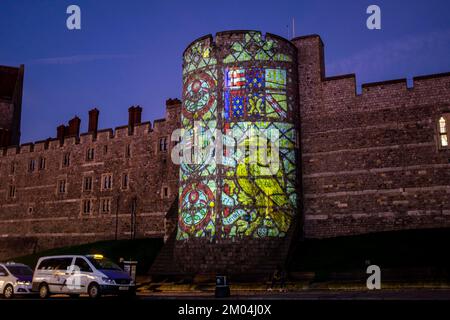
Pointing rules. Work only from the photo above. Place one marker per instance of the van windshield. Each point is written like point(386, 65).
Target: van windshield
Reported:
point(103, 264)
point(20, 270)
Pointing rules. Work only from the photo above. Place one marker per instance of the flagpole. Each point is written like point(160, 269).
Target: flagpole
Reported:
point(293, 28)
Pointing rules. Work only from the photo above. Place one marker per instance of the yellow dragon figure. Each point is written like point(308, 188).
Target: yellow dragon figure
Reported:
point(264, 192)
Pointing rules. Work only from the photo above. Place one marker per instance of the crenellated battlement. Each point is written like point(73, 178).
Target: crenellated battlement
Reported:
point(135, 130)
point(372, 157)
point(314, 85)
point(77, 188)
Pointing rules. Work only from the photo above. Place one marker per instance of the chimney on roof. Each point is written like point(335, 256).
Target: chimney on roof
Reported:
point(60, 132)
point(93, 120)
point(74, 127)
point(134, 117)
point(131, 111)
point(137, 114)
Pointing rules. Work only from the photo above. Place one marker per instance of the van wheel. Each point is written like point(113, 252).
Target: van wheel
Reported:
point(8, 293)
point(43, 291)
point(94, 291)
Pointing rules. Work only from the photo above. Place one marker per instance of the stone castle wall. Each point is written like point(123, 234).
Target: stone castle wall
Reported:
point(371, 161)
point(39, 216)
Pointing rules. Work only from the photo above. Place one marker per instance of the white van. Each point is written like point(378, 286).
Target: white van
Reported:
point(79, 274)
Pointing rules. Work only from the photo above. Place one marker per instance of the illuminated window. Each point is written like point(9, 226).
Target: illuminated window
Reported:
point(443, 132)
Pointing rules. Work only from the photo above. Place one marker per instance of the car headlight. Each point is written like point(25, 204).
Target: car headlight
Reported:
point(108, 280)
point(23, 283)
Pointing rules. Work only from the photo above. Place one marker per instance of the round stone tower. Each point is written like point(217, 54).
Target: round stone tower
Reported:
point(238, 174)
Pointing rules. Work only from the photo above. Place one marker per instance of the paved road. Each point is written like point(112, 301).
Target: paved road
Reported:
point(325, 295)
point(422, 294)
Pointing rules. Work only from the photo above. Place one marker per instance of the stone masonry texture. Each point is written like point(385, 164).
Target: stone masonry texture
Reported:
point(370, 162)
point(39, 216)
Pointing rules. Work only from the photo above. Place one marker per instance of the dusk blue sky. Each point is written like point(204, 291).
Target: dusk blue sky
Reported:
point(129, 52)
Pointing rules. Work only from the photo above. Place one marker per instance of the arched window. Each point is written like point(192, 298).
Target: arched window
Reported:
point(443, 134)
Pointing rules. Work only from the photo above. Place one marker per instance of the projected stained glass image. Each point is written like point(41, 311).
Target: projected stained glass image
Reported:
point(197, 210)
point(198, 173)
point(241, 88)
point(253, 47)
point(258, 200)
point(256, 92)
point(200, 97)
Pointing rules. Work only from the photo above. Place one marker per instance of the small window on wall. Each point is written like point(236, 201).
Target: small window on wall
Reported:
point(12, 192)
point(42, 163)
point(125, 181)
point(163, 144)
point(87, 184)
point(107, 181)
point(66, 159)
point(165, 192)
point(31, 165)
point(443, 129)
point(127, 151)
point(87, 206)
point(105, 205)
point(62, 188)
point(13, 167)
point(90, 154)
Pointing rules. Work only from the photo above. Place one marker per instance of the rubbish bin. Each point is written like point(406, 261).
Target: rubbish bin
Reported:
point(222, 288)
point(130, 268)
